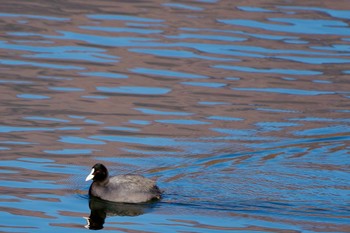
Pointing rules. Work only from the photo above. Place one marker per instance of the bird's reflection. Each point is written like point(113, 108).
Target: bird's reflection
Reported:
point(100, 209)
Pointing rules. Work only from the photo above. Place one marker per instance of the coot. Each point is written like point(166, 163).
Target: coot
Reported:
point(122, 188)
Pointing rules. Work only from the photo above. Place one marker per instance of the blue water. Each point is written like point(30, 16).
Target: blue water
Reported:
point(239, 111)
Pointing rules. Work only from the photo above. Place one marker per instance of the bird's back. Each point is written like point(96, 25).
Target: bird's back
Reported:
point(127, 188)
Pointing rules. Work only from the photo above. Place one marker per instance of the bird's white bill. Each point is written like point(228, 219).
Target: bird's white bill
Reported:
point(91, 175)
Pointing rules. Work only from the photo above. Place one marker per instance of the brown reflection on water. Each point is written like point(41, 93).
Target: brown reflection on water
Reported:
point(48, 104)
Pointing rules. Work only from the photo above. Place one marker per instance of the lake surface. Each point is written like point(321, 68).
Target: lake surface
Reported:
point(239, 109)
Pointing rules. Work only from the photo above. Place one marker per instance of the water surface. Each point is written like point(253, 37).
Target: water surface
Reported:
point(239, 110)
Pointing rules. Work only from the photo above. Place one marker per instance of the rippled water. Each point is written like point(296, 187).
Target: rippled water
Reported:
point(239, 109)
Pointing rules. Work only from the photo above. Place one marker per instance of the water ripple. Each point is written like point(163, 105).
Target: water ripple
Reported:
point(135, 90)
point(239, 111)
